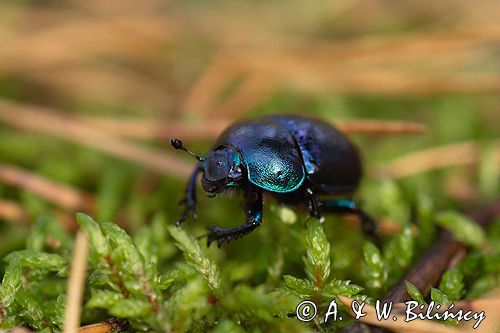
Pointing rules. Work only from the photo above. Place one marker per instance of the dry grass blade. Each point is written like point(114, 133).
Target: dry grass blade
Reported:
point(76, 284)
point(481, 304)
point(491, 307)
point(101, 83)
point(426, 63)
point(11, 211)
point(253, 93)
point(20, 330)
point(104, 327)
point(464, 153)
point(209, 84)
point(416, 326)
point(147, 129)
point(135, 39)
point(44, 121)
point(63, 196)
point(376, 127)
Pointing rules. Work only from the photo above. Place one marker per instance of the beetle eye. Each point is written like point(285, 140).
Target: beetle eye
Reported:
point(235, 172)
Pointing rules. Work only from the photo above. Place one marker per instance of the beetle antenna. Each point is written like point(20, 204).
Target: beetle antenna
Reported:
point(177, 144)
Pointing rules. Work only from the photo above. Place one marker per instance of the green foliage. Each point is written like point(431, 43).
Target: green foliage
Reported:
point(383, 269)
point(319, 286)
point(95, 235)
point(392, 202)
point(439, 297)
point(12, 282)
point(161, 278)
point(481, 269)
point(141, 279)
point(48, 235)
point(414, 293)
point(21, 298)
point(424, 207)
point(317, 260)
point(463, 228)
point(398, 254)
point(110, 194)
point(195, 257)
point(164, 279)
point(132, 281)
point(374, 268)
point(452, 284)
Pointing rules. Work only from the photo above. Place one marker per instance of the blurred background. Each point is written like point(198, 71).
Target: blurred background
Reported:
point(92, 91)
point(88, 88)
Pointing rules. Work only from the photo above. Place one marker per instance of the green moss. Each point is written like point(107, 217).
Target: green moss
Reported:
point(160, 278)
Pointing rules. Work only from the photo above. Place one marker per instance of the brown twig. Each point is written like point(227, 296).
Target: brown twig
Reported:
point(428, 270)
point(432, 265)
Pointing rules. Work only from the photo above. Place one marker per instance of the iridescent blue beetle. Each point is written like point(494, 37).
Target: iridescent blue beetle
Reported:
point(297, 159)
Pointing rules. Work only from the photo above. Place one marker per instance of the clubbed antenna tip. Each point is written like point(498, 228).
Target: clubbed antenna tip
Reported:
point(177, 144)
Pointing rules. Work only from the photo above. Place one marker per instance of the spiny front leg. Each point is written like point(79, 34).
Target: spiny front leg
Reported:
point(189, 200)
point(253, 211)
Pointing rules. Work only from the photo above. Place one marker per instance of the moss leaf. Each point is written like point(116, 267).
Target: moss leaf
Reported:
point(197, 258)
point(464, 229)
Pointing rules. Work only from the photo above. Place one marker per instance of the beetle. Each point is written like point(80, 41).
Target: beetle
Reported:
point(297, 159)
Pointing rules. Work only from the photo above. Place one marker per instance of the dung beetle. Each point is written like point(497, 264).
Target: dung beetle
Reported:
point(297, 159)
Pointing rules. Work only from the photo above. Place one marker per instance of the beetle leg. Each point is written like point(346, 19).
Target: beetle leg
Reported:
point(313, 205)
point(253, 211)
point(189, 199)
point(368, 224)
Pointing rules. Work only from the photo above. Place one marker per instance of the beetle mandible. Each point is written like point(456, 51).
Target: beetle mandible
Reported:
point(297, 159)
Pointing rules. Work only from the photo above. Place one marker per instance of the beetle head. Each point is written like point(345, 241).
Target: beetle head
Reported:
point(223, 169)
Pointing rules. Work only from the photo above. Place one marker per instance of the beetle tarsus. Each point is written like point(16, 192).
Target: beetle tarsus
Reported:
point(189, 209)
point(368, 224)
point(222, 235)
point(253, 210)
